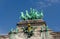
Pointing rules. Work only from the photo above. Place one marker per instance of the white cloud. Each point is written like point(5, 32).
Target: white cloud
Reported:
point(44, 3)
point(53, 1)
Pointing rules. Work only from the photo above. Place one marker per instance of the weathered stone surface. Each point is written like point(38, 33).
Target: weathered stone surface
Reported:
point(37, 33)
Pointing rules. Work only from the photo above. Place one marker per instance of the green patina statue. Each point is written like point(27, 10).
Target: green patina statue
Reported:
point(16, 30)
point(11, 34)
point(22, 16)
point(46, 31)
point(11, 31)
point(33, 14)
point(27, 15)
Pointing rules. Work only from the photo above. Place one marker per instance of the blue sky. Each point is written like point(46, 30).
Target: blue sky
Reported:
point(10, 12)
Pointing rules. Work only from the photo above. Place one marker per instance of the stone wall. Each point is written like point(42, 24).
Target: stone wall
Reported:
point(37, 34)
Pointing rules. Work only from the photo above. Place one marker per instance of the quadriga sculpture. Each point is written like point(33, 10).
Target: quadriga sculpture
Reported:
point(32, 15)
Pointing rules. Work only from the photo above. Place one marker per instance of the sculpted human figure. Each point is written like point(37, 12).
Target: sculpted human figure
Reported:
point(33, 14)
